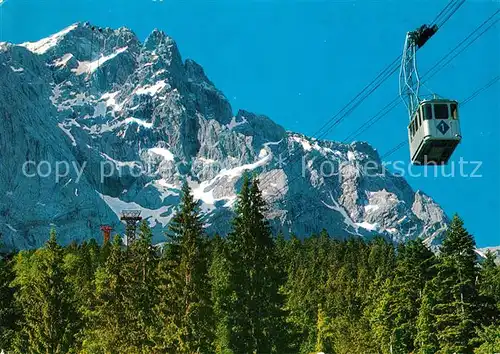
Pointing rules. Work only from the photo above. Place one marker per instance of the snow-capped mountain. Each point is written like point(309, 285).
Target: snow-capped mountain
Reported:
point(124, 123)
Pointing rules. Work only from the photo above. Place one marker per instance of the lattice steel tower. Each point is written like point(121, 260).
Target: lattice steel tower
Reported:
point(131, 218)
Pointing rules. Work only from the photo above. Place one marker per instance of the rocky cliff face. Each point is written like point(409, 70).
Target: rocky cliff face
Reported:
point(120, 124)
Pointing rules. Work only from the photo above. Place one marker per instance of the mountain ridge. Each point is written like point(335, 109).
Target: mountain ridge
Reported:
point(98, 97)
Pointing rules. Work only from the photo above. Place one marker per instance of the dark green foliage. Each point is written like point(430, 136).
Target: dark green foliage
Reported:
point(49, 319)
point(489, 291)
point(255, 319)
point(395, 318)
point(186, 311)
point(426, 336)
point(220, 293)
point(249, 293)
point(107, 329)
point(8, 311)
point(455, 311)
point(489, 337)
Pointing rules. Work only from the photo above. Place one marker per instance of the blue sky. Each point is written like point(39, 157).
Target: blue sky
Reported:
point(299, 62)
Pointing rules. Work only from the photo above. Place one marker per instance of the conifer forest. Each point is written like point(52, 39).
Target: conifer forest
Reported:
point(251, 291)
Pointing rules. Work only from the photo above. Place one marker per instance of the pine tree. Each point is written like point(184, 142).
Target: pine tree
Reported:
point(43, 295)
point(356, 283)
point(256, 319)
point(489, 337)
point(221, 294)
point(108, 321)
point(323, 328)
point(489, 291)
point(490, 278)
point(167, 333)
point(426, 340)
point(94, 253)
point(192, 316)
point(299, 302)
point(79, 275)
point(9, 314)
point(197, 316)
point(456, 296)
point(488, 340)
point(397, 311)
point(140, 275)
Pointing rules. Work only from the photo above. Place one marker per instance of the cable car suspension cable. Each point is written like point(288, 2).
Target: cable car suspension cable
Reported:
point(375, 83)
point(443, 11)
point(427, 76)
point(451, 13)
point(478, 92)
point(395, 102)
point(384, 75)
point(468, 37)
point(388, 71)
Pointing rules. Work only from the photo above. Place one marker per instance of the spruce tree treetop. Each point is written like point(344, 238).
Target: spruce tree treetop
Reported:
point(458, 241)
point(52, 241)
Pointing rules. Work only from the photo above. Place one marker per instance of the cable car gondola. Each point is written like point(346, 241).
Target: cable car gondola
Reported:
point(434, 129)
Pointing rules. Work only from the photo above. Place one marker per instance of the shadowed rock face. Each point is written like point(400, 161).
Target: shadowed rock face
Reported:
point(104, 102)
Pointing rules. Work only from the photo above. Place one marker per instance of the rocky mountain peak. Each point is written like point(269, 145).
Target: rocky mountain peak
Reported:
point(133, 121)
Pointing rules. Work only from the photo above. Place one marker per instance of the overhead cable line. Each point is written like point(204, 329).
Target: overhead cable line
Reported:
point(451, 13)
point(372, 86)
point(445, 60)
point(446, 8)
point(404, 142)
point(347, 109)
point(393, 67)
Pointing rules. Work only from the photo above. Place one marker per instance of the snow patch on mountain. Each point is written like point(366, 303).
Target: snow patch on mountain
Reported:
point(67, 132)
point(305, 143)
point(367, 226)
point(88, 67)
point(165, 153)
point(133, 104)
point(233, 124)
point(43, 45)
point(63, 60)
point(140, 122)
point(16, 70)
point(153, 216)
point(151, 89)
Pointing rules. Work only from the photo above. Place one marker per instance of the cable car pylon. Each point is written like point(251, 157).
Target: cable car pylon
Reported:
point(434, 129)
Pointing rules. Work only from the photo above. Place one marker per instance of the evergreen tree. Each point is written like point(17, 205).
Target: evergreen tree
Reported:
point(489, 337)
point(323, 329)
point(221, 294)
point(79, 275)
point(108, 325)
point(9, 314)
point(140, 276)
point(426, 340)
point(167, 332)
point(49, 324)
point(455, 310)
point(489, 291)
point(300, 304)
point(490, 278)
point(397, 311)
point(192, 315)
point(256, 319)
point(250, 293)
point(197, 317)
